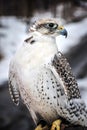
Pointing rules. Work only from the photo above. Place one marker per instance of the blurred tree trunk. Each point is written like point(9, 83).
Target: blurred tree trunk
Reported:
point(54, 8)
point(27, 7)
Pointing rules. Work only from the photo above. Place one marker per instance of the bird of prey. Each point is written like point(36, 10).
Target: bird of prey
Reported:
point(42, 76)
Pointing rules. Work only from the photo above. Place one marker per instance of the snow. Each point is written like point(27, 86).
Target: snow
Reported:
point(15, 33)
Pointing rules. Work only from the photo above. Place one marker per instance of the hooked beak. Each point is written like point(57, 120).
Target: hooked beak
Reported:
point(62, 31)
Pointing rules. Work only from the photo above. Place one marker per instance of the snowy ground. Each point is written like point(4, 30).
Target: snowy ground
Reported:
point(14, 32)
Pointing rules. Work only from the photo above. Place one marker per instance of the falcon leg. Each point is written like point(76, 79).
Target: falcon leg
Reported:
point(56, 125)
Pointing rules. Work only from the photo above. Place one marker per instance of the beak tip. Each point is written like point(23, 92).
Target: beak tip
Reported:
point(64, 33)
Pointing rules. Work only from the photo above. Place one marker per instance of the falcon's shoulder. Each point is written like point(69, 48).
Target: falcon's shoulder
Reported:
point(63, 70)
point(13, 87)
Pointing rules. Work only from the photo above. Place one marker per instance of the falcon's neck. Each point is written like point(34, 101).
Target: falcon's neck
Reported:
point(44, 44)
point(42, 38)
point(37, 49)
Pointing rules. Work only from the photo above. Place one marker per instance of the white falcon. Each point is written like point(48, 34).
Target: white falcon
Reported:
point(41, 75)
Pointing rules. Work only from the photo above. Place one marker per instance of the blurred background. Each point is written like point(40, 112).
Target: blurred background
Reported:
point(15, 18)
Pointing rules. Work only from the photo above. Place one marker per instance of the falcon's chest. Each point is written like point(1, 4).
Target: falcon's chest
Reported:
point(37, 78)
point(40, 90)
point(39, 84)
point(33, 60)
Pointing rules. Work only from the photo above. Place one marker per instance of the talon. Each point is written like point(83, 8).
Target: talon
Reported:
point(39, 127)
point(56, 125)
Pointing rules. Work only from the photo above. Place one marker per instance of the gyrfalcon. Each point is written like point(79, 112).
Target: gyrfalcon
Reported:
point(42, 76)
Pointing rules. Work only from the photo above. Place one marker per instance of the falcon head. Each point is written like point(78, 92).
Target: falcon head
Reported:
point(49, 27)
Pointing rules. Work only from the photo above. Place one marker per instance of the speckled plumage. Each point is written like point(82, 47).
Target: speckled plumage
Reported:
point(42, 76)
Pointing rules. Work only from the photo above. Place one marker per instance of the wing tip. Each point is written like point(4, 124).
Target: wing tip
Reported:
point(14, 95)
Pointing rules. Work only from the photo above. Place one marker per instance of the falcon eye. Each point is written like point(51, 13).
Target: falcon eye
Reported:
point(51, 25)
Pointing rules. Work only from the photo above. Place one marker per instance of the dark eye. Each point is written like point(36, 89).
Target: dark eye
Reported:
point(51, 25)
